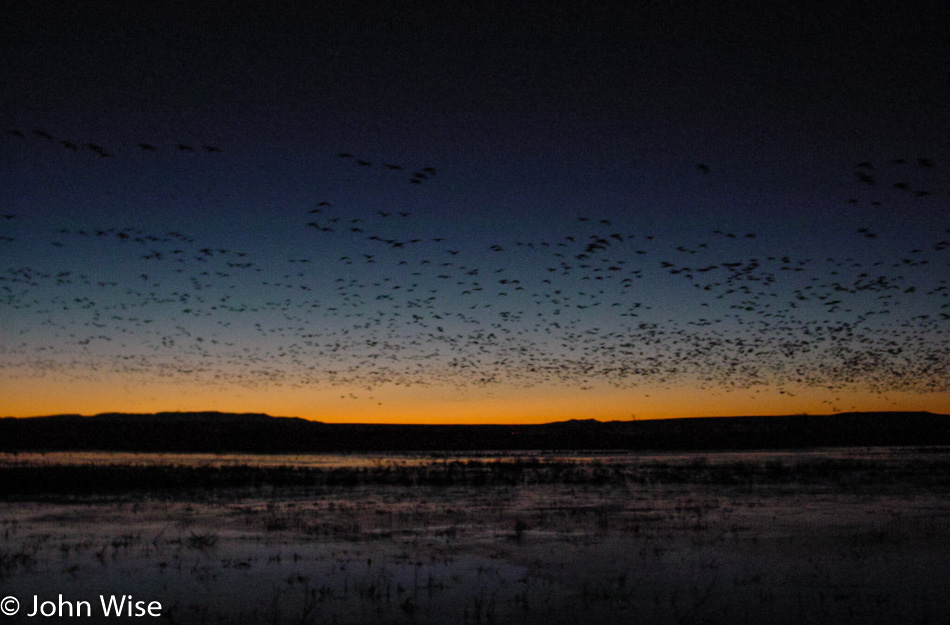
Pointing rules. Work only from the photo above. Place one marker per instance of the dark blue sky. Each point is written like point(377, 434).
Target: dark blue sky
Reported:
point(578, 245)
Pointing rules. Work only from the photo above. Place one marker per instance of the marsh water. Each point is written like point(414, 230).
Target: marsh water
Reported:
point(820, 535)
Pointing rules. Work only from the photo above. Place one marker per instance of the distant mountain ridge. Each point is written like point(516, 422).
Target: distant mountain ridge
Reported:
point(261, 433)
point(187, 417)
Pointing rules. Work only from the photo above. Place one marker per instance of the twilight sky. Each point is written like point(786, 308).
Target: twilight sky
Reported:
point(525, 214)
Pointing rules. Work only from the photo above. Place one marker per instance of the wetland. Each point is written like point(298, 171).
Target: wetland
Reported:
point(844, 535)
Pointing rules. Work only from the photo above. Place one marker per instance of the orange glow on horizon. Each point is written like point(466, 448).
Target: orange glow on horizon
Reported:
point(445, 405)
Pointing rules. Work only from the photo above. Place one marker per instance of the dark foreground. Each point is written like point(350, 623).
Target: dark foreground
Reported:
point(818, 536)
point(258, 433)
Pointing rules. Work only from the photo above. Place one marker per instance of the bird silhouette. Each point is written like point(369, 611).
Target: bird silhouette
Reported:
point(385, 293)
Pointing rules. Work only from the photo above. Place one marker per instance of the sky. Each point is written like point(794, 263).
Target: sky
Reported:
point(518, 214)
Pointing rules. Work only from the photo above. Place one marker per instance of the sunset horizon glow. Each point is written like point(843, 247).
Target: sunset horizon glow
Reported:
point(520, 410)
point(517, 217)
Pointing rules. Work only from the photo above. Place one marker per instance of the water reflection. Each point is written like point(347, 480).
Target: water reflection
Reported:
point(822, 535)
point(358, 460)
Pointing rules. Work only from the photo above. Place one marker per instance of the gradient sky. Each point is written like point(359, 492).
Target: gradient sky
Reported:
point(607, 211)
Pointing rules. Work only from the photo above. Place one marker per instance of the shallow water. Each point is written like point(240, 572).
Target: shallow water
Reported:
point(845, 547)
point(369, 460)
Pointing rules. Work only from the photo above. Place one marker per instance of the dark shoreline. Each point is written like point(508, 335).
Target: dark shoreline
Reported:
point(214, 432)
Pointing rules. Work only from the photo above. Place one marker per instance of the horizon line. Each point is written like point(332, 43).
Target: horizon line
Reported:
point(497, 424)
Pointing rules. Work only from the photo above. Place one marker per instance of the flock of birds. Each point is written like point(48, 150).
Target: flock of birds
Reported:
point(99, 150)
point(417, 177)
point(390, 301)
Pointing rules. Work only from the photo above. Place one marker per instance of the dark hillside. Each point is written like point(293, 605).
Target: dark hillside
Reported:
point(222, 432)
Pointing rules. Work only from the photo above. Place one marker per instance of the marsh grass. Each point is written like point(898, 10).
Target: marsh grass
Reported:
point(691, 539)
point(20, 481)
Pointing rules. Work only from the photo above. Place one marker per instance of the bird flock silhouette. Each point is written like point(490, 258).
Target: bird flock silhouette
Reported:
point(401, 302)
point(98, 149)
